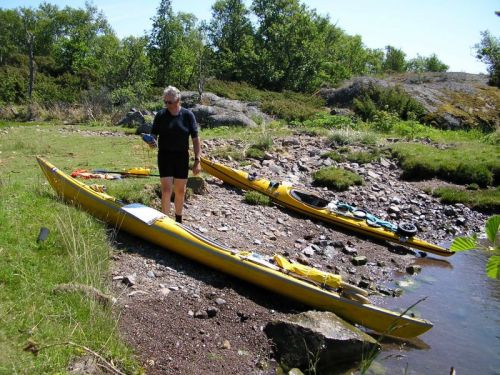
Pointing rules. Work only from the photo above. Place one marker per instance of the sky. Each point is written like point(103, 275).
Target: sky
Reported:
point(448, 28)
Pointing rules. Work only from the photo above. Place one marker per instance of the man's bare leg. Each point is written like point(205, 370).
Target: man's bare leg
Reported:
point(166, 194)
point(180, 192)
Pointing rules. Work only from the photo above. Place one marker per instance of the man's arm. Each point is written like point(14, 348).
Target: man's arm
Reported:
point(197, 155)
point(197, 148)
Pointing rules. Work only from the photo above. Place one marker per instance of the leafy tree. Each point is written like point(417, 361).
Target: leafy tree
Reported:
point(10, 24)
point(394, 60)
point(288, 45)
point(230, 34)
point(491, 244)
point(162, 42)
point(128, 75)
point(85, 44)
point(433, 64)
point(173, 45)
point(426, 64)
point(488, 51)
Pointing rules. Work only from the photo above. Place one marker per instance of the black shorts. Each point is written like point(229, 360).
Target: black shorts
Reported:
point(174, 164)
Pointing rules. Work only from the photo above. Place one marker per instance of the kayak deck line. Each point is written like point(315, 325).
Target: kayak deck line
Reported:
point(286, 196)
point(247, 265)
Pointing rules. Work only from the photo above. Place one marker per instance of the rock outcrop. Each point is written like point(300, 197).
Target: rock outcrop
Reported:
point(451, 100)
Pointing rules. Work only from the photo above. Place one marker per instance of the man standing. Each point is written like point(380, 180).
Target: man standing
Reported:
point(173, 125)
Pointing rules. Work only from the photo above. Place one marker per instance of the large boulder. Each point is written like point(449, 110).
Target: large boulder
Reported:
point(213, 111)
point(319, 337)
point(132, 118)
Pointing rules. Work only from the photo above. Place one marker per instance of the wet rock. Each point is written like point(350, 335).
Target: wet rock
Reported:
point(332, 340)
point(413, 269)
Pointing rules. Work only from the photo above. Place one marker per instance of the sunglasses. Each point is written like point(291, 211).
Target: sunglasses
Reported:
point(170, 101)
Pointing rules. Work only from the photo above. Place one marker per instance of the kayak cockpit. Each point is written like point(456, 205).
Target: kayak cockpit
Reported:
point(309, 199)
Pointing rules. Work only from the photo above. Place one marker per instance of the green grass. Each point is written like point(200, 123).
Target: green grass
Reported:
point(336, 178)
point(462, 163)
point(77, 250)
point(487, 200)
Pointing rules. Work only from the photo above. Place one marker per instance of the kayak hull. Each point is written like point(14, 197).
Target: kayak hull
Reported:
point(185, 241)
point(286, 196)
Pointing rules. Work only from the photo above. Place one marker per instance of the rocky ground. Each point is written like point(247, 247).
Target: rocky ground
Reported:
point(184, 318)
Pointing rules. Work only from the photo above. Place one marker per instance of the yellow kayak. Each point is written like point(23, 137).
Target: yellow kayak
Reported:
point(335, 212)
point(312, 287)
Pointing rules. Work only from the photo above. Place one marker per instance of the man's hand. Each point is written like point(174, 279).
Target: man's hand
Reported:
point(196, 166)
point(149, 139)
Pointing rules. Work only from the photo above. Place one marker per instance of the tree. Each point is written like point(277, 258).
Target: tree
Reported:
point(230, 34)
point(488, 51)
point(85, 45)
point(173, 45)
point(433, 64)
point(10, 25)
point(426, 64)
point(288, 45)
point(394, 60)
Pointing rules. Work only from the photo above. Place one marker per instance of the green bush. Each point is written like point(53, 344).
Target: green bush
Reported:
point(388, 99)
point(334, 155)
point(336, 178)
point(13, 85)
point(342, 137)
point(256, 198)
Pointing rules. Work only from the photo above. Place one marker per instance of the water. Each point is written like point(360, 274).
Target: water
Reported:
point(464, 305)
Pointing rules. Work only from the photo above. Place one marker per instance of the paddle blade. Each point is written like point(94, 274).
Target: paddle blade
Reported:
point(139, 171)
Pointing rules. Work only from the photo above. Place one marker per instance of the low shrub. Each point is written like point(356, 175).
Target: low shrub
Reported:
point(336, 178)
point(256, 198)
point(362, 157)
point(388, 99)
point(255, 153)
point(343, 137)
point(334, 155)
